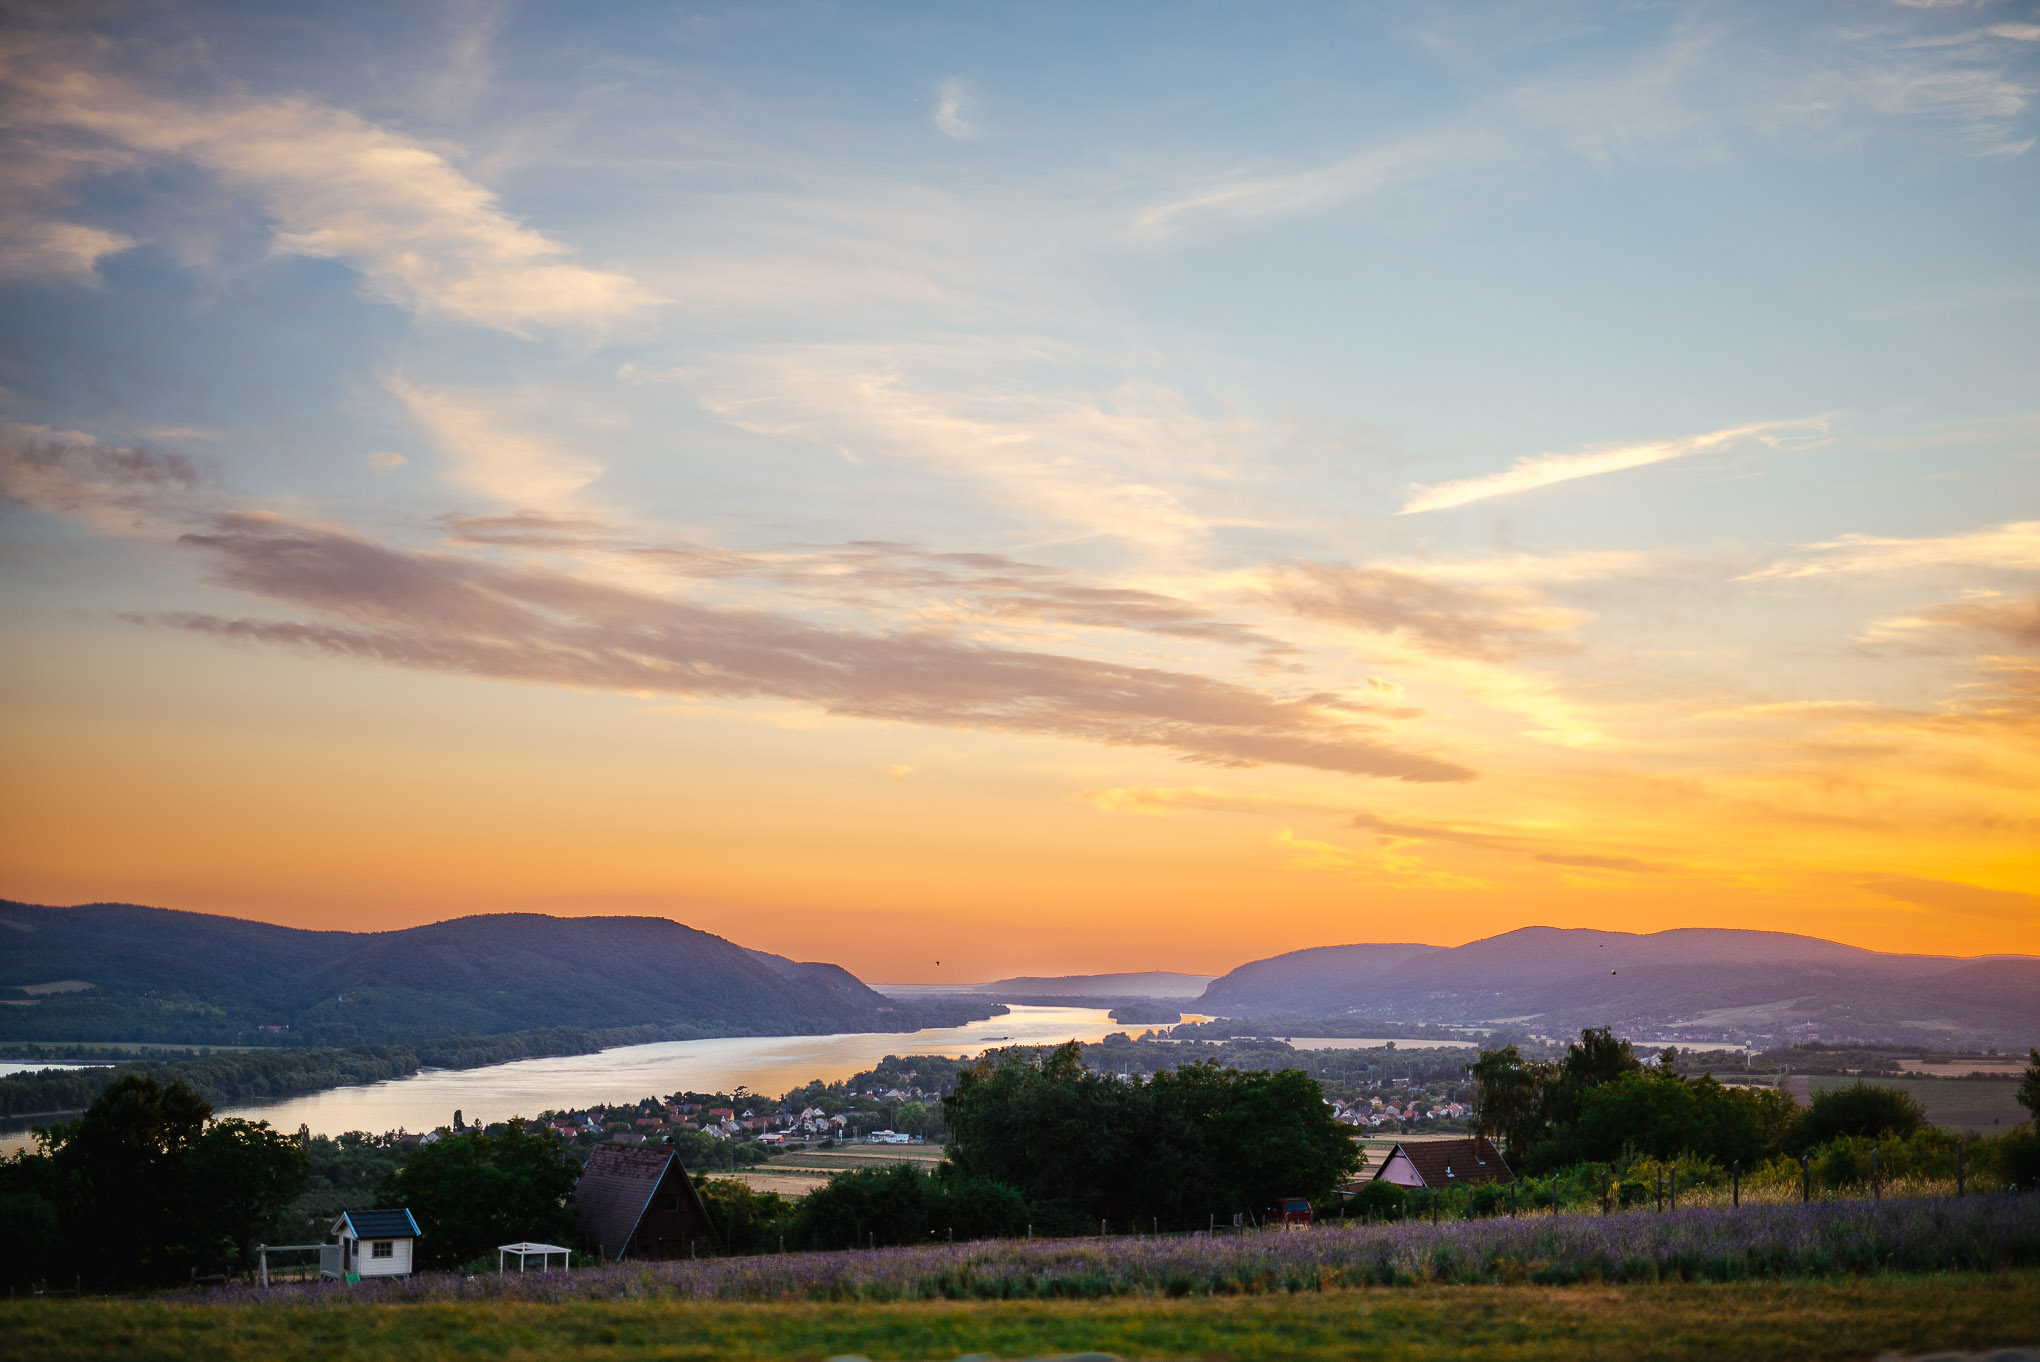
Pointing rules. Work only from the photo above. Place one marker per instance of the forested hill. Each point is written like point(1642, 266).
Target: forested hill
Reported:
point(1690, 983)
point(118, 972)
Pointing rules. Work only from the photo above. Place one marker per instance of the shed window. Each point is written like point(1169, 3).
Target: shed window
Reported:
point(671, 1203)
point(383, 1248)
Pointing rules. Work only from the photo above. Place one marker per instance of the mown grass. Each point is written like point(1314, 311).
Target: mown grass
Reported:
point(1860, 1318)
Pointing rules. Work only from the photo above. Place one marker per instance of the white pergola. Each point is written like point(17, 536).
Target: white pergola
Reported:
point(542, 1252)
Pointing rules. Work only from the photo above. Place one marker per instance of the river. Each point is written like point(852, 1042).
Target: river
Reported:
point(769, 1065)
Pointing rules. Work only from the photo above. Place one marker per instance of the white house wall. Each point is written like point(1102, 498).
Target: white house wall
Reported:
point(398, 1264)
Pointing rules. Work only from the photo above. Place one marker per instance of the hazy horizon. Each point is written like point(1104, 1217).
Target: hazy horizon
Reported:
point(1048, 492)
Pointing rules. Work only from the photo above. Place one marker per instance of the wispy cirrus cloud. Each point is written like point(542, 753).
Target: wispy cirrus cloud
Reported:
point(2014, 546)
point(1435, 615)
point(1163, 801)
point(1953, 896)
point(445, 613)
point(1253, 196)
point(1027, 418)
point(492, 450)
point(1683, 96)
point(968, 588)
point(1545, 470)
point(1995, 617)
point(422, 233)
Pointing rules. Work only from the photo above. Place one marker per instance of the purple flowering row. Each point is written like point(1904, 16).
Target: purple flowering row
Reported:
point(1913, 1235)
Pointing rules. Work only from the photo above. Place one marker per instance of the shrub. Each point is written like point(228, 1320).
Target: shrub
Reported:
point(1859, 1109)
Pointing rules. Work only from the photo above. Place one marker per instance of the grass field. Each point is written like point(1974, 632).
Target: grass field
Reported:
point(1857, 1319)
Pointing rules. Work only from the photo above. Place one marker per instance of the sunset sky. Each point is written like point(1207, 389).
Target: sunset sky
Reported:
point(1035, 488)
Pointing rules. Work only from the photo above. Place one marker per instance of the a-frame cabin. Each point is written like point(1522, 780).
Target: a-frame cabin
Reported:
point(640, 1203)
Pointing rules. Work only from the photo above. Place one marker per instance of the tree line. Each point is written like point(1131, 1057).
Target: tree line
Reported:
point(1603, 1105)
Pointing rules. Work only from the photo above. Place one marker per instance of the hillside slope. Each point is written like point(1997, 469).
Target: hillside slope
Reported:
point(1690, 983)
point(161, 974)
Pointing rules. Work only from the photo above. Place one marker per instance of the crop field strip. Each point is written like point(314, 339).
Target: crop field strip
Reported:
point(1669, 1322)
point(797, 1173)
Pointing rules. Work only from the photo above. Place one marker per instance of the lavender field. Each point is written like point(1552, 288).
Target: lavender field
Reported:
point(1706, 1244)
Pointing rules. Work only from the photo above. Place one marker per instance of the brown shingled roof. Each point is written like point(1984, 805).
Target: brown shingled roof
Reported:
point(617, 1187)
point(1451, 1163)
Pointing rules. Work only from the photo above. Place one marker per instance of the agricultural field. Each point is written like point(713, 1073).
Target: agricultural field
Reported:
point(800, 1171)
point(1962, 1068)
point(1987, 1106)
point(1672, 1322)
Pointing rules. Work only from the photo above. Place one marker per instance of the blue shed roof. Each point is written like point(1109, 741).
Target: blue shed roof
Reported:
point(382, 1224)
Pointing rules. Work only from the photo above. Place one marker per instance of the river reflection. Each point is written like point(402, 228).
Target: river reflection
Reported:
point(766, 1064)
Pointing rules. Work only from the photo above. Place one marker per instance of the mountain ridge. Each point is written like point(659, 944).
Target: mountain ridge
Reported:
point(227, 980)
point(1716, 983)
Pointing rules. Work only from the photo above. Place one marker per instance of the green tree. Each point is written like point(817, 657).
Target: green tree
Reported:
point(470, 1193)
point(749, 1221)
point(31, 1236)
point(1245, 1140)
point(1652, 1114)
point(119, 1170)
point(901, 1205)
point(240, 1178)
point(1858, 1109)
point(978, 1208)
point(887, 1206)
point(2029, 1087)
point(1508, 1097)
point(1081, 1147)
point(1065, 1137)
point(144, 1187)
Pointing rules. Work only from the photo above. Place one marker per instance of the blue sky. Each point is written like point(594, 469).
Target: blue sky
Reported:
point(1566, 463)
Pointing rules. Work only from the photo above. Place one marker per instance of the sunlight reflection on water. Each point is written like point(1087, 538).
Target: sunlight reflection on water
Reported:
point(766, 1064)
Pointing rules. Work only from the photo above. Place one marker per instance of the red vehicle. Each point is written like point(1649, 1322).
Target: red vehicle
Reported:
point(1292, 1210)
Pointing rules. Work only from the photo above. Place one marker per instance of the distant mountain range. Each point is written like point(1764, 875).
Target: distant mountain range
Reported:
point(1692, 983)
point(1150, 984)
point(118, 972)
point(160, 974)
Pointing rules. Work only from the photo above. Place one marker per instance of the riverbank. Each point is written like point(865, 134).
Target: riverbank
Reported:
point(1672, 1322)
point(493, 1078)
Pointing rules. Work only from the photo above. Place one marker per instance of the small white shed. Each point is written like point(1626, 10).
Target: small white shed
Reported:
point(370, 1244)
